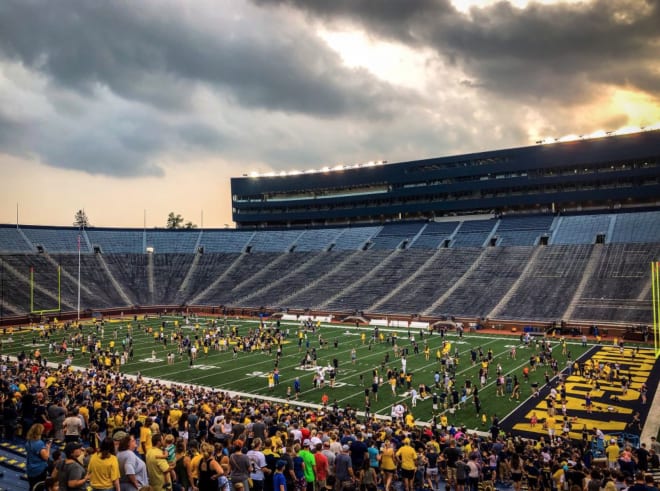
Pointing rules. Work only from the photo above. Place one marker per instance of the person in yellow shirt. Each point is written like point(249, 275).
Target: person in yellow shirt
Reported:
point(158, 469)
point(103, 467)
point(145, 437)
point(612, 451)
point(407, 459)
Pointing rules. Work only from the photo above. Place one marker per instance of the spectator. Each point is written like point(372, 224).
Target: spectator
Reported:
point(103, 468)
point(132, 470)
point(38, 455)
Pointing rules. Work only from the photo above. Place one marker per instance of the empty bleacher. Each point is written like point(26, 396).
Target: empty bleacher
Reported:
point(523, 231)
point(118, 241)
point(581, 229)
point(473, 233)
point(172, 241)
point(317, 239)
point(434, 234)
point(55, 239)
point(350, 267)
point(352, 239)
point(485, 286)
point(130, 271)
point(11, 240)
point(267, 268)
point(643, 227)
point(273, 240)
point(432, 281)
point(225, 240)
point(549, 286)
point(392, 236)
point(318, 268)
point(619, 290)
point(392, 271)
point(314, 266)
point(169, 270)
point(209, 267)
point(243, 270)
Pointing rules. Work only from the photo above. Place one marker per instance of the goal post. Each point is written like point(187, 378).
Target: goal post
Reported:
point(655, 291)
point(59, 294)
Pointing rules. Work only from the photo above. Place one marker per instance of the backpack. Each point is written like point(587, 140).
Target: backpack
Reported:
point(461, 470)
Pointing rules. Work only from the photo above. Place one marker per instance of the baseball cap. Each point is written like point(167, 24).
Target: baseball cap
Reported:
point(119, 436)
point(280, 464)
point(345, 448)
point(306, 443)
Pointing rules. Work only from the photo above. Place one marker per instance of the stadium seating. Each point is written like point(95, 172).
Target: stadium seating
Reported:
point(548, 289)
point(172, 241)
point(434, 234)
point(619, 289)
point(225, 240)
point(393, 236)
point(55, 239)
point(169, 270)
point(203, 272)
point(636, 227)
point(274, 240)
point(483, 287)
point(581, 229)
point(118, 241)
point(523, 231)
point(350, 268)
point(11, 240)
point(367, 290)
point(352, 239)
point(317, 240)
point(473, 233)
point(447, 267)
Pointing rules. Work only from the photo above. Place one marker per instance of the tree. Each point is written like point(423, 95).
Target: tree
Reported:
point(80, 220)
point(174, 221)
point(189, 225)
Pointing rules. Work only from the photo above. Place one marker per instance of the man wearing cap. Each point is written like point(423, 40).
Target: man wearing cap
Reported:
point(612, 451)
point(309, 464)
point(70, 474)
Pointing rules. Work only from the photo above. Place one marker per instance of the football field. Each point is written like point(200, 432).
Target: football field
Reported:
point(359, 357)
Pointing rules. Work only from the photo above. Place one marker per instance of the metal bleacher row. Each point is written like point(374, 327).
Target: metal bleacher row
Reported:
point(588, 267)
point(635, 227)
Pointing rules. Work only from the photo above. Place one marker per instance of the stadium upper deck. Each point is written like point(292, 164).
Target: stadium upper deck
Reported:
point(602, 173)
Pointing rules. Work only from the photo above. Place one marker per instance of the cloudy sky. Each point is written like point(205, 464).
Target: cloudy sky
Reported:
point(131, 109)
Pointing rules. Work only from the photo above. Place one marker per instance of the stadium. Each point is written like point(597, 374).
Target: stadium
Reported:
point(356, 270)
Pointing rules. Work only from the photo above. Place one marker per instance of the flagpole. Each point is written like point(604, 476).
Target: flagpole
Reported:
point(78, 275)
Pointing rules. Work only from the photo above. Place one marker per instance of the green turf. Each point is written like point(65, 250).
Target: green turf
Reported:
point(247, 373)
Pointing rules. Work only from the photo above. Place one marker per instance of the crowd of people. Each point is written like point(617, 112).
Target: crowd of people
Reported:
point(122, 433)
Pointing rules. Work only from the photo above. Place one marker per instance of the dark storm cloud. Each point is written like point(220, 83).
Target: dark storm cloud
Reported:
point(155, 54)
point(127, 83)
point(557, 52)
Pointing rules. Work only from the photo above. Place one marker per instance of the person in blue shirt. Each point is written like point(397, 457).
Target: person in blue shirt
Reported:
point(38, 454)
point(279, 481)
